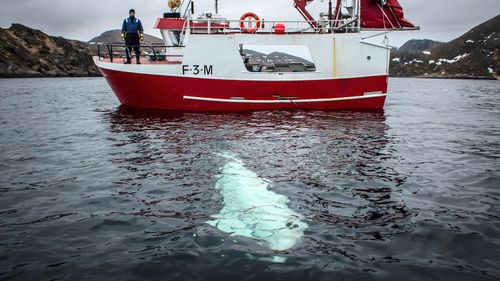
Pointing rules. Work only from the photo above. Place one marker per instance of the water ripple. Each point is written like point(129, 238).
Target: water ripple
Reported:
point(89, 190)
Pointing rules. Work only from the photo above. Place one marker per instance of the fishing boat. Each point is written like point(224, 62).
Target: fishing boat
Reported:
point(211, 63)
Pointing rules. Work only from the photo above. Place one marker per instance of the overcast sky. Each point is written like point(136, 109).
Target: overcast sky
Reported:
point(441, 20)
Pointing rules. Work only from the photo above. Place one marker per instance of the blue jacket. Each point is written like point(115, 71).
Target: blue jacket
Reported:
point(132, 25)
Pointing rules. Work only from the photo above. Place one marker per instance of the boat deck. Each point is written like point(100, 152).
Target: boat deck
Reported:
point(143, 61)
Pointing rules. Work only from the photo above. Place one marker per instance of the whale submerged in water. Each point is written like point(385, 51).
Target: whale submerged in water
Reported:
point(253, 211)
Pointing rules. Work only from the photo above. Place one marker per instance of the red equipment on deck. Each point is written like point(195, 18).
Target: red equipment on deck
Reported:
point(386, 14)
point(374, 14)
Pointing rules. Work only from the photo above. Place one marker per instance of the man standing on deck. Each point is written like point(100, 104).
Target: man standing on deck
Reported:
point(132, 33)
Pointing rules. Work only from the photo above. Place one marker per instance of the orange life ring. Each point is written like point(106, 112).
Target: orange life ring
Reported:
point(249, 29)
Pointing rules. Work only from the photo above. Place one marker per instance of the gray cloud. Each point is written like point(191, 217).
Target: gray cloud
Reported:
point(440, 20)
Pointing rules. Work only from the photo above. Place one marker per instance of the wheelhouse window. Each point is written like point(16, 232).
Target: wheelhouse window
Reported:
point(277, 58)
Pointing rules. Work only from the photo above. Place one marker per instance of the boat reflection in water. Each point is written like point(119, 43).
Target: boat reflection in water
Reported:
point(332, 171)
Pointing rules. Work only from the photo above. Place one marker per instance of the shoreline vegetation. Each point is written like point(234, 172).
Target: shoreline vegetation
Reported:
point(30, 53)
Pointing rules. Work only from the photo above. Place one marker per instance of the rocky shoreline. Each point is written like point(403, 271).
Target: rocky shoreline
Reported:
point(26, 52)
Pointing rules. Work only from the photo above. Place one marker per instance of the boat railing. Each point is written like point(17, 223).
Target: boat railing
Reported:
point(218, 26)
point(153, 52)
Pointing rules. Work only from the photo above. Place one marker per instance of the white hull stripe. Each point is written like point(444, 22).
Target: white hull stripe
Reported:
point(285, 100)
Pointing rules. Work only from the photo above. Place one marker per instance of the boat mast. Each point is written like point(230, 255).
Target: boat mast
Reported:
point(330, 13)
point(189, 8)
point(216, 7)
point(358, 14)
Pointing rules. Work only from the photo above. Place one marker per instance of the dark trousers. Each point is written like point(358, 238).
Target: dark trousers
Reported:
point(132, 42)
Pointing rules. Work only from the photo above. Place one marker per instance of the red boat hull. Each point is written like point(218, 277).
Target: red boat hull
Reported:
point(202, 94)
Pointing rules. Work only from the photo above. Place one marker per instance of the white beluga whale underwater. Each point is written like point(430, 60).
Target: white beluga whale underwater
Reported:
point(252, 210)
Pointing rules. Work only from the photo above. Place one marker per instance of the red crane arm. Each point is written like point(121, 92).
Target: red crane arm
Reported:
point(300, 5)
point(336, 14)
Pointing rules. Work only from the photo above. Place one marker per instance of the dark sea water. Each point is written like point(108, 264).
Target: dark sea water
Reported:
point(93, 191)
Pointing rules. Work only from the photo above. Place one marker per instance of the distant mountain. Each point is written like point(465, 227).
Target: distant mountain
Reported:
point(26, 52)
point(114, 36)
point(419, 45)
point(476, 54)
